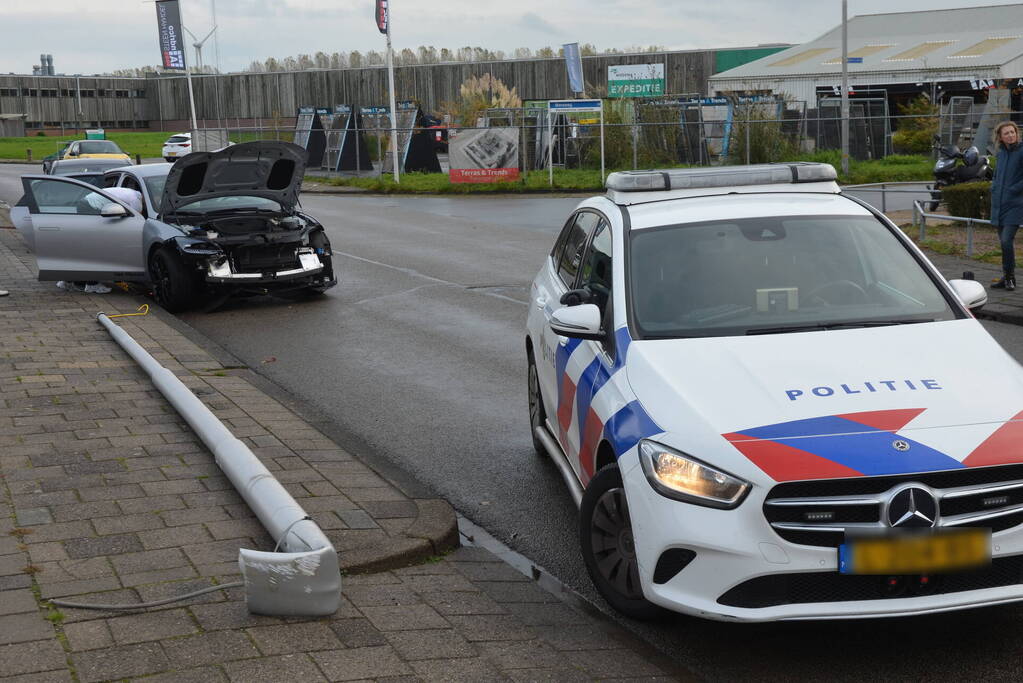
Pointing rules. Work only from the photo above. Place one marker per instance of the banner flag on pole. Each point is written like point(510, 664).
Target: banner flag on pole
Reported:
point(574, 64)
point(168, 23)
point(382, 16)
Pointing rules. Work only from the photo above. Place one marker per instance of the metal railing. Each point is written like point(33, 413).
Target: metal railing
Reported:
point(920, 219)
point(885, 188)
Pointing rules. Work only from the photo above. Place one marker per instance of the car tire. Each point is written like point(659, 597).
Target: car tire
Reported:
point(609, 552)
point(174, 287)
point(169, 160)
point(537, 414)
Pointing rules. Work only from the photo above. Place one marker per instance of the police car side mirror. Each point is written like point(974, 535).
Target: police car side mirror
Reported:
point(578, 322)
point(574, 297)
point(970, 292)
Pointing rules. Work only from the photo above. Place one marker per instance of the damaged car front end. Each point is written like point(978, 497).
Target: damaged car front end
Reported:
point(242, 231)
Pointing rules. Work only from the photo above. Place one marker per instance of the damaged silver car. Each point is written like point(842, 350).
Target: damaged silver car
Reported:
point(212, 225)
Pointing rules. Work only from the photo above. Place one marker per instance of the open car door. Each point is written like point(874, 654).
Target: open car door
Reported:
point(73, 240)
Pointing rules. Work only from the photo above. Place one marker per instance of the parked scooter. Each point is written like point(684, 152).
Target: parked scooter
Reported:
point(954, 167)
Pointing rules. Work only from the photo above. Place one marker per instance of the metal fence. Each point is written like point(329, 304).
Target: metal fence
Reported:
point(674, 137)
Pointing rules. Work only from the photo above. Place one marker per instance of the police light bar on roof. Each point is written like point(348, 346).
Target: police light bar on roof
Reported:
point(723, 176)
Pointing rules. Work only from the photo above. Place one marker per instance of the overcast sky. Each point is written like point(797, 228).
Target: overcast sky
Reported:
point(96, 36)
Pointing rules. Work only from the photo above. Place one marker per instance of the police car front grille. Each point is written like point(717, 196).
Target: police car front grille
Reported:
point(819, 513)
point(792, 589)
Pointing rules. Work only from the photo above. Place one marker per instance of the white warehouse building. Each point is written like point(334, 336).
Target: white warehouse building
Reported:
point(972, 52)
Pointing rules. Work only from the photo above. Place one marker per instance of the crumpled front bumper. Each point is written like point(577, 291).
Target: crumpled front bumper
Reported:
point(220, 272)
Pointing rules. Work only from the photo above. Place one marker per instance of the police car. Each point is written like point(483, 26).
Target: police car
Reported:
point(768, 404)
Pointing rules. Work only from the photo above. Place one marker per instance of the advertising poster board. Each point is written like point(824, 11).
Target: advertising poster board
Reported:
point(484, 156)
point(346, 145)
point(635, 80)
point(168, 24)
point(415, 144)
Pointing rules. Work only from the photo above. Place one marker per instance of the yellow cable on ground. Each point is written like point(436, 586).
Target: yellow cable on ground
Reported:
point(144, 308)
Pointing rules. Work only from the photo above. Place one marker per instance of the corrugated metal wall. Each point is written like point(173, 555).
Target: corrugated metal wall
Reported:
point(52, 101)
point(269, 95)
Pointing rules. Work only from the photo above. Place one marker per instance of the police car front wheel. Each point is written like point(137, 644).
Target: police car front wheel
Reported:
point(608, 546)
point(537, 416)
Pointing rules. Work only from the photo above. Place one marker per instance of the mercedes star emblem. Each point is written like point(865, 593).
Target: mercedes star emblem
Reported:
point(912, 507)
point(900, 445)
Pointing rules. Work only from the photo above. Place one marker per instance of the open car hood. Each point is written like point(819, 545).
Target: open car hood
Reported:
point(269, 169)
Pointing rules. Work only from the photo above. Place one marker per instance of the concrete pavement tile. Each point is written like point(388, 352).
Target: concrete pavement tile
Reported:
point(206, 674)
point(235, 528)
point(23, 658)
point(79, 511)
point(120, 662)
point(490, 571)
point(358, 632)
point(612, 663)
point(377, 596)
point(22, 628)
point(149, 560)
point(18, 602)
point(300, 637)
point(33, 516)
point(103, 545)
point(119, 492)
point(65, 588)
point(527, 654)
point(126, 524)
point(209, 648)
point(439, 582)
point(509, 591)
point(9, 545)
point(229, 615)
point(554, 675)
point(296, 667)
point(13, 564)
point(88, 635)
point(475, 670)
point(173, 537)
point(491, 627)
point(356, 519)
point(138, 628)
point(161, 488)
point(462, 603)
point(9, 583)
point(157, 576)
point(170, 589)
point(404, 617)
point(579, 637)
point(194, 516)
point(440, 644)
point(546, 614)
point(47, 552)
point(215, 552)
point(60, 531)
point(132, 506)
point(388, 509)
point(363, 662)
point(72, 570)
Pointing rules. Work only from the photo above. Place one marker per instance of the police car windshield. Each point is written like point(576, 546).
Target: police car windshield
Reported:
point(773, 275)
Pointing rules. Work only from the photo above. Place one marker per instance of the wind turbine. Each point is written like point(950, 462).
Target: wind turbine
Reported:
point(197, 44)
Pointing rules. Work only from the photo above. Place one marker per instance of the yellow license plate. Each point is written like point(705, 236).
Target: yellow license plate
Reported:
point(931, 553)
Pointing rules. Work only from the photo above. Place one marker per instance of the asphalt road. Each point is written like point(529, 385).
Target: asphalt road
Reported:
point(417, 360)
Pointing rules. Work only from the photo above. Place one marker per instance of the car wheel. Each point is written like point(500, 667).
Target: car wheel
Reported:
point(537, 414)
point(609, 551)
point(174, 287)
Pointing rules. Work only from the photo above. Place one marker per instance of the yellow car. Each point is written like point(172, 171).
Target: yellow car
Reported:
point(95, 149)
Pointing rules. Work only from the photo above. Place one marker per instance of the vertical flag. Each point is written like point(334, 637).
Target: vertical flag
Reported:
point(381, 16)
point(168, 23)
point(574, 64)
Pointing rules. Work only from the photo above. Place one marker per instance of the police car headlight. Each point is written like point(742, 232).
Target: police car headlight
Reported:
point(682, 477)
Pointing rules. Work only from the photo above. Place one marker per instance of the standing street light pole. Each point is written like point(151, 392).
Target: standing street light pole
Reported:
point(845, 88)
point(384, 16)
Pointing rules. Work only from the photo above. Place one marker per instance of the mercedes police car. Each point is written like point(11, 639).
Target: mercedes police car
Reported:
point(769, 405)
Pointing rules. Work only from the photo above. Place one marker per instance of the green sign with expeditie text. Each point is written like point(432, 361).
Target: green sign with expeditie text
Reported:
point(635, 80)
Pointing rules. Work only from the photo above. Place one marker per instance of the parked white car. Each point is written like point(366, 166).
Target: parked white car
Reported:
point(177, 145)
point(770, 405)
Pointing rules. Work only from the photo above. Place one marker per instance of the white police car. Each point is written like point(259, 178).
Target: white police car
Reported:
point(769, 404)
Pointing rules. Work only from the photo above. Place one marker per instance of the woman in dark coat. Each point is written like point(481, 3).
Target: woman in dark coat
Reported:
point(1007, 198)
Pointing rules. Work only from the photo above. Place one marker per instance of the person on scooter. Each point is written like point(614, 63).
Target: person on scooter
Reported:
point(1007, 198)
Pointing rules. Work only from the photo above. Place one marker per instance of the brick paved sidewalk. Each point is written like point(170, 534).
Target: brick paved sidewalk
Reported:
point(107, 496)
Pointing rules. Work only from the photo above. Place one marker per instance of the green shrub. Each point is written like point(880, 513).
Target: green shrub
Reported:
point(968, 200)
point(912, 141)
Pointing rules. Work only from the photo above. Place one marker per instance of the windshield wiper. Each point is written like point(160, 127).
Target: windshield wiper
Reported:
point(815, 327)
